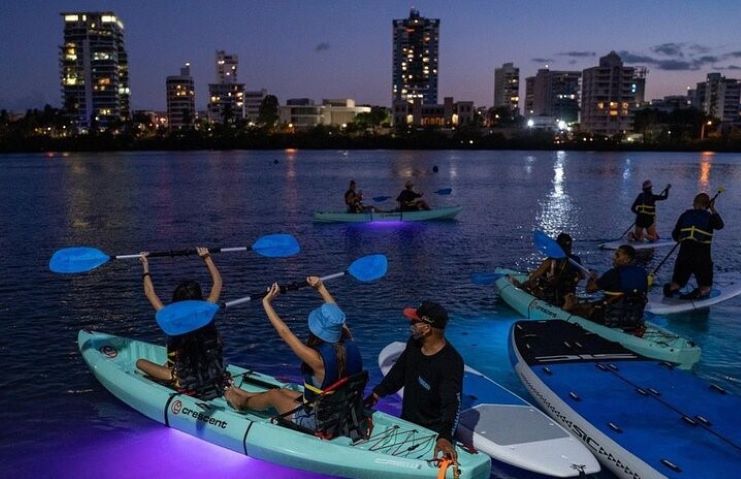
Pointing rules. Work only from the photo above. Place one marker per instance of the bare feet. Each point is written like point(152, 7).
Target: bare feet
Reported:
point(237, 398)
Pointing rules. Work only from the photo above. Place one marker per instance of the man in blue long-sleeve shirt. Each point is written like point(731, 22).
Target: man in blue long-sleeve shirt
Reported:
point(431, 372)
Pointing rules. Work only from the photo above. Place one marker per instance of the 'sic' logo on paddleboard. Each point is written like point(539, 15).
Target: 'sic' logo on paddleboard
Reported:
point(109, 351)
point(176, 406)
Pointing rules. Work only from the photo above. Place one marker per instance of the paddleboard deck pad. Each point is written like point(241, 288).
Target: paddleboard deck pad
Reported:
point(641, 418)
point(727, 286)
point(637, 244)
point(501, 424)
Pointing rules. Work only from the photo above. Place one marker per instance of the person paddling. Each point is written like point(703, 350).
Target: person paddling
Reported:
point(694, 232)
point(626, 288)
point(644, 207)
point(410, 200)
point(195, 360)
point(354, 200)
point(328, 355)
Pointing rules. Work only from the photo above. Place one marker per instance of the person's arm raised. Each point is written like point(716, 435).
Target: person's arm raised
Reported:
point(149, 292)
point(213, 297)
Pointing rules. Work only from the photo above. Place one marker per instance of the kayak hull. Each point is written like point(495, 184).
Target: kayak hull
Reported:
point(448, 213)
point(656, 342)
point(112, 361)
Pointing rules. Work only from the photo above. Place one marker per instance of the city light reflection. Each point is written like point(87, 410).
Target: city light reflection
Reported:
point(706, 164)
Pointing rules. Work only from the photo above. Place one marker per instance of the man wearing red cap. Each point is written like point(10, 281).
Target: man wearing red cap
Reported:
point(431, 372)
point(645, 209)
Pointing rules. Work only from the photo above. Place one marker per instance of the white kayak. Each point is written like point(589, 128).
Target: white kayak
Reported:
point(447, 213)
point(501, 424)
point(727, 286)
point(638, 244)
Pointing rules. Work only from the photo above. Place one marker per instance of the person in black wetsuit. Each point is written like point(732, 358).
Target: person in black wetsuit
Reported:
point(625, 286)
point(555, 279)
point(694, 231)
point(410, 200)
point(644, 207)
point(195, 360)
point(431, 372)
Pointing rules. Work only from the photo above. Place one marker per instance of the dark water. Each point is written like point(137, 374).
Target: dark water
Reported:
point(59, 422)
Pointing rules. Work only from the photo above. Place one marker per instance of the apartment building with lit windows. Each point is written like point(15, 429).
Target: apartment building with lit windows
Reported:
point(181, 100)
point(415, 59)
point(507, 87)
point(94, 70)
point(226, 96)
point(608, 97)
point(553, 93)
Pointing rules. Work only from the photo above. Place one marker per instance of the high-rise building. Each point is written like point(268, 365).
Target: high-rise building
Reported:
point(554, 94)
point(415, 59)
point(226, 97)
point(719, 97)
point(94, 69)
point(252, 103)
point(608, 97)
point(507, 87)
point(181, 100)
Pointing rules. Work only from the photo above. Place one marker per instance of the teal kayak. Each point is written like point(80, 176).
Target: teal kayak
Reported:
point(389, 216)
point(656, 342)
point(396, 448)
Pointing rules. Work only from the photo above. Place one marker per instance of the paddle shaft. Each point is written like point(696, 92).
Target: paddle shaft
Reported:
point(296, 285)
point(181, 252)
point(712, 201)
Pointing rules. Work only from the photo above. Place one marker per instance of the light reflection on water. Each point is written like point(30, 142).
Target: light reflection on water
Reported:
point(128, 202)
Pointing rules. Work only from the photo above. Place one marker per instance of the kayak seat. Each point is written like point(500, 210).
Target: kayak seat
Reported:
point(339, 411)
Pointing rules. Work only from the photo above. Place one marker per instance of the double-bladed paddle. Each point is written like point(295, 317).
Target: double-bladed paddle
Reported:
point(485, 278)
point(186, 316)
point(549, 247)
point(442, 192)
point(81, 259)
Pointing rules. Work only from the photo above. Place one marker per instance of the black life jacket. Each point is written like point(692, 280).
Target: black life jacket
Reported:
point(694, 225)
point(559, 281)
point(353, 365)
point(646, 205)
point(197, 363)
point(627, 311)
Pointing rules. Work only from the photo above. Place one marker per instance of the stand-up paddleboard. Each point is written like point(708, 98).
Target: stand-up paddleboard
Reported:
point(501, 424)
point(637, 244)
point(727, 286)
point(642, 418)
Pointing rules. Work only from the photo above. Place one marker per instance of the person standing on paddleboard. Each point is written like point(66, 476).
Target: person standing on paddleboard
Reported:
point(431, 372)
point(694, 232)
point(195, 360)
point(644, 207)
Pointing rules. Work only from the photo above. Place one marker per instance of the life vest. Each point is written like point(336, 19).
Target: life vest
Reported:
point(353, 365)
point(560, 280)
point(626, 311)
point(197, 363)
point(695, 226)
point(647, 206)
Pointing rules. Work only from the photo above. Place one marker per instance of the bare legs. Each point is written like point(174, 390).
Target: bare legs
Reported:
point(157, 371)
point(282, 400)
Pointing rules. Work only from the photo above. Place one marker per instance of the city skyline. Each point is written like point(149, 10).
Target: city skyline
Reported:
point(343, 49)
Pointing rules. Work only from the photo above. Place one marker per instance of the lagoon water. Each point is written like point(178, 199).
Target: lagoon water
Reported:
point(58, 421)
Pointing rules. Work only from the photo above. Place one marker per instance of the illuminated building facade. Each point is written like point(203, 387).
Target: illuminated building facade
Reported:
point(718, 97)
point(507, 87)
point(415, 59)
point(181, 100)
point(448, 115)
point(608, 97)
point(94, 70)
point(553, 94)
point(226, 97)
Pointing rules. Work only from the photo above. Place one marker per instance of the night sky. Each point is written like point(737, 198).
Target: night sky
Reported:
point(342, 49)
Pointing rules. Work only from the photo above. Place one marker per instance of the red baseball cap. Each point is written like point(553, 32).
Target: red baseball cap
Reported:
point(428, 312)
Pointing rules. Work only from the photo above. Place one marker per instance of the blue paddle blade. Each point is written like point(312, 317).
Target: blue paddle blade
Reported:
point(485, 278)
point(444, 191)
point(369, 268)
point(381, 198)
point(77, 259)
point(185, 316)
point(276, 246)
point(547, 245)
